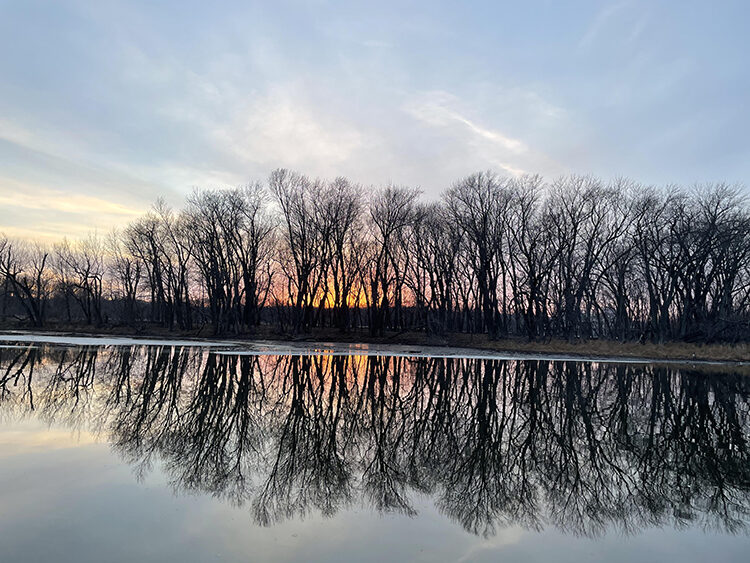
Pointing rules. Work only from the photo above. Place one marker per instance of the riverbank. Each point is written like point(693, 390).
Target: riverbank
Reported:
point(588, 349)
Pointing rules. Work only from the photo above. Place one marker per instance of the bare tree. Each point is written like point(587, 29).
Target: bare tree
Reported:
point(391, 213)
point(84, 268)
point(479, 204)
point(303, 245)
point(233, 235)
point(25, 267)
point(126, 276)
point(339, 213)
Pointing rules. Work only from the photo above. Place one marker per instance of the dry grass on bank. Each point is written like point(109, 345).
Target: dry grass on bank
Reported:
point(588, 348)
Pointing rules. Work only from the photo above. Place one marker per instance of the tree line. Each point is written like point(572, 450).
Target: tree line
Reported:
point(575, 257)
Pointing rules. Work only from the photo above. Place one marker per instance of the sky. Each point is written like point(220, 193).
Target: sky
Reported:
point(107, 105)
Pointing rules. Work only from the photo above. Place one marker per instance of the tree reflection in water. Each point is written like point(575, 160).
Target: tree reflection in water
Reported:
point(584, 447)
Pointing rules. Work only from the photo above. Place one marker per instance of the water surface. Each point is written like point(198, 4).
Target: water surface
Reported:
point(185, 453)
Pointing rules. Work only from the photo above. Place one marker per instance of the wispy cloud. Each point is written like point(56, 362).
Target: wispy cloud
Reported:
point(599, 23)
point(279, 130)
point(489, 146)
point(435, 110)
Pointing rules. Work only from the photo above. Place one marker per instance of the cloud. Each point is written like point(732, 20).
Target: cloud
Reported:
point(42, 157)
point(39, 213)
point(278, 129)
point(600, 22)
point(484, 145)
point(33, 197)
point(435, 110)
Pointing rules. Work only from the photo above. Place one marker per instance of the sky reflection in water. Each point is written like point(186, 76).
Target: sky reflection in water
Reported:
point(173, 453)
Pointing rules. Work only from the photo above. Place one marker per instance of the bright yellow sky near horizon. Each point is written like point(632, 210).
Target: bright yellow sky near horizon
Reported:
point(49, 215)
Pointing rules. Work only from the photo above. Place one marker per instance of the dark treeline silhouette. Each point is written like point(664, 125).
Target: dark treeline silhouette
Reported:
point(572, 258)
point(584, 447)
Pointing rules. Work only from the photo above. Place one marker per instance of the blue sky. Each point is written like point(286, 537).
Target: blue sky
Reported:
point(106, 105)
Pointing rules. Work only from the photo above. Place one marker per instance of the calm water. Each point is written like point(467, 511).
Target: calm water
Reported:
point(173, 453)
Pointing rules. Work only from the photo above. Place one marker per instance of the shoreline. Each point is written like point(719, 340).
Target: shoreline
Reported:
point(404, 344)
